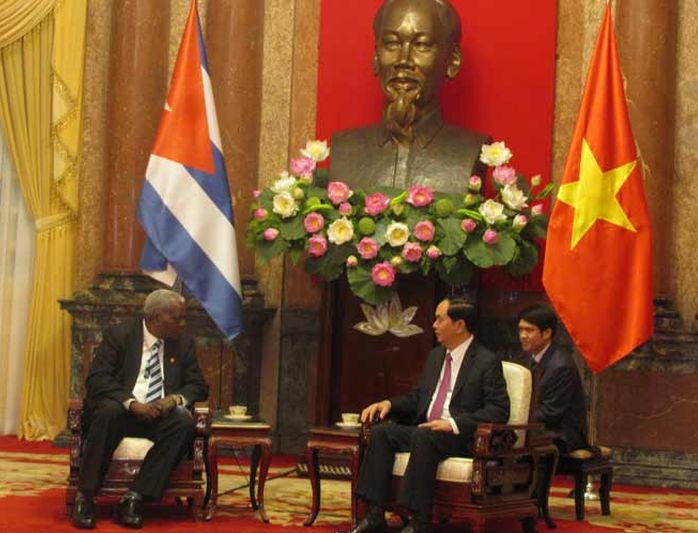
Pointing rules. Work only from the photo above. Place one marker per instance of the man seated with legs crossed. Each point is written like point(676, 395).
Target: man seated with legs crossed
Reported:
point(143, 377)
point(461, 385)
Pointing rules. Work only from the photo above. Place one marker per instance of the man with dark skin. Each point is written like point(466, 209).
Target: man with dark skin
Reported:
point(143, 377)
point(417, 47)
point(461, 385)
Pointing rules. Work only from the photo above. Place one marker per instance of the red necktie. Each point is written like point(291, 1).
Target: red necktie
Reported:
point(438, 407)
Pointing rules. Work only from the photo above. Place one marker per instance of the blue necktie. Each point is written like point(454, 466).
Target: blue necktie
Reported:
point(154, 373)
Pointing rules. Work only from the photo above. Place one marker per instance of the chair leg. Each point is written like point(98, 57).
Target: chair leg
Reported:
point(605, 492)
point(580, 483)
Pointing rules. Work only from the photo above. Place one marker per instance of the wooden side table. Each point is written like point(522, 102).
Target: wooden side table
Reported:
point(239, 435)
point(338, 441)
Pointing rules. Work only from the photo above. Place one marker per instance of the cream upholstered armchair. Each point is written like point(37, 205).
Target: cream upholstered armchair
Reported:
point(499, 481)
point(186, 481)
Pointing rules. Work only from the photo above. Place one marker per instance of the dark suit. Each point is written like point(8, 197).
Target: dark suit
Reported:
point(110, 383)
point(479, 395)
point(560, 401)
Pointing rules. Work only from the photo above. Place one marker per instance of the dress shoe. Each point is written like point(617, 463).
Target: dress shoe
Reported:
point(371, 523)
point(416, 526)
point(129, 512)
point(84, 512)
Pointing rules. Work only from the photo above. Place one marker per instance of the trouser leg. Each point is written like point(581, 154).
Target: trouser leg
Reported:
point(106, 422)
point(375, 474)
point(172, 435)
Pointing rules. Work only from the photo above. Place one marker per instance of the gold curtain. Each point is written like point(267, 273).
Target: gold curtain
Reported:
point(18, 17)
point(40, 114)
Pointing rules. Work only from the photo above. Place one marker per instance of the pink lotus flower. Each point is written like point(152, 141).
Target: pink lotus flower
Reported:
point(383, 274)
point(260, 213)
point(367, 248)
point(433, 252)
point(270, 234)
point(519, 222)
point(303, 166)
point(345, 208)
point(352, 261)
point(376, 203)
point(256, 193)
point(537, 210)
point(474, 183)
point(338, 192)
point(317, 246)
point(424, 230)
point(490, 236)
point(468, 225)
point(412, 252)
point(504, 175)
point(419, 196)
point(313, 222)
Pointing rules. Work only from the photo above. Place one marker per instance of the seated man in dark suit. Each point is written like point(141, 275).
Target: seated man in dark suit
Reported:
point(560, 397)
point(462, 384)
point(137, 387)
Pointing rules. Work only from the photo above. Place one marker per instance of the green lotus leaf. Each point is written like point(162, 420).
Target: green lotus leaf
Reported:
point(488, 255)
point(525, 259)
point(269, 249)
point(292, 229)
point(453, 237)
point(362, 285)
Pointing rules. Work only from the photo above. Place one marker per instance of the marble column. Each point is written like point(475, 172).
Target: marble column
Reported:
point(137, 87)
point(234, 43)
point(647, 35)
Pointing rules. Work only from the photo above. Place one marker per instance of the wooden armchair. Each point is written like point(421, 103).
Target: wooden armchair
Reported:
point(186, 481)
point(500, 479)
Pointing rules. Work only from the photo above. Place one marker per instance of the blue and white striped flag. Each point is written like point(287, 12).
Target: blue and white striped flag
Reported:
point(185, 207)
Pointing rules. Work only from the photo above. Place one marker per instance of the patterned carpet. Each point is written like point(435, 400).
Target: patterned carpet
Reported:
point(32, 477)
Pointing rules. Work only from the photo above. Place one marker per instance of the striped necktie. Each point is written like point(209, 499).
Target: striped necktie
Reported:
point(154, 373)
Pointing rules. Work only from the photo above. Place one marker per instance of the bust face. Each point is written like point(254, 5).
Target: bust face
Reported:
point(413, 53)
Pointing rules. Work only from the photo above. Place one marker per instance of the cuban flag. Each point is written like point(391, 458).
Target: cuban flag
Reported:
point(185, 207)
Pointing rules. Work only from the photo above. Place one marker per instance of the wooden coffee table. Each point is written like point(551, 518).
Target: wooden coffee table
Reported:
point(256, 435)
point(336, 441)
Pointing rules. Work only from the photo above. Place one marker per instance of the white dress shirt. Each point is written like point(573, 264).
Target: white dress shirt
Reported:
point(457, 356)
point(538, 356)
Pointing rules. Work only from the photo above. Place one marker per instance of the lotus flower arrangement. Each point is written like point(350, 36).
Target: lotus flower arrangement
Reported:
point(374, 235)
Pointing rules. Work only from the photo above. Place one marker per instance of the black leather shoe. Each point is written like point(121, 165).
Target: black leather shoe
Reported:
point(416, 527)
point(129, 512)
point(83, 512)
point(371, 523)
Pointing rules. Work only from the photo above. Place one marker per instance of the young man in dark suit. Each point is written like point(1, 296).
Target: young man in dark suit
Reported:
point(560, 401)
point(143, 377)
point(461, 385)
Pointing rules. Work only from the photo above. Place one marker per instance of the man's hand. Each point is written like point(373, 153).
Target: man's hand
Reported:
point(378, 409)
point(167, 404)
point(145, 411)
point(438, 425)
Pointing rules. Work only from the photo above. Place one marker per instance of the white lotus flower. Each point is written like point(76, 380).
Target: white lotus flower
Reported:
point(284, 183)
point(397, 234)
point(340, 231)
point(492, 211)
point(495, 154)
point(514, 197)
point(316, 150)
point(284, 204)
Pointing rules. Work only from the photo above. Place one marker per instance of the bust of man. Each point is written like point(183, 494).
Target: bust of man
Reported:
point(416, 48)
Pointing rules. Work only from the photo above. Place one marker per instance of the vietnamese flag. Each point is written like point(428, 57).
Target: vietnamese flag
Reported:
point(598, 255)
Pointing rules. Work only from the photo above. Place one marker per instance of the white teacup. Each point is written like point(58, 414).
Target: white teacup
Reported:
point(238, 410)
point(350, 418)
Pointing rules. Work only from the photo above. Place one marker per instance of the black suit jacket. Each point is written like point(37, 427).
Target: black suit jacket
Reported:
point(115, 367)
point(561, 405)
point(479, 393)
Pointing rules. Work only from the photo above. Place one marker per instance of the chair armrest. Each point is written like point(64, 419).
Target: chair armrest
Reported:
point(494, 439)
point(202, 418)
point(75, 415)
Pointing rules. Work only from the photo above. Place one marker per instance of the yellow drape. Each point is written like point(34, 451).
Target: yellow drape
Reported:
point(40, 114)
point(18, 17)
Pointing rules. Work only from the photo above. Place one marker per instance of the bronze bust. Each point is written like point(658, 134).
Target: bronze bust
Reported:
point(416, 48)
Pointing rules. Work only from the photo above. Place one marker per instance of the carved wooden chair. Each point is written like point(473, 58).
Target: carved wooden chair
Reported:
point(499, 481)
point(186, 481)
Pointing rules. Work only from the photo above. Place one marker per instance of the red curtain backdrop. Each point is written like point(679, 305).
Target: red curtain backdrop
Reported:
point(505, 87)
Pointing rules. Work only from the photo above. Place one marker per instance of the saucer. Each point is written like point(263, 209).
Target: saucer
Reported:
point(349, 425)
point(237, 418)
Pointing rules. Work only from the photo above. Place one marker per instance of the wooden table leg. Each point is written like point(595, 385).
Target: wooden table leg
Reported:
point(311, 457)
point(265, 448)
point(254, 461)
point(212, 479)
point(355, 465)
